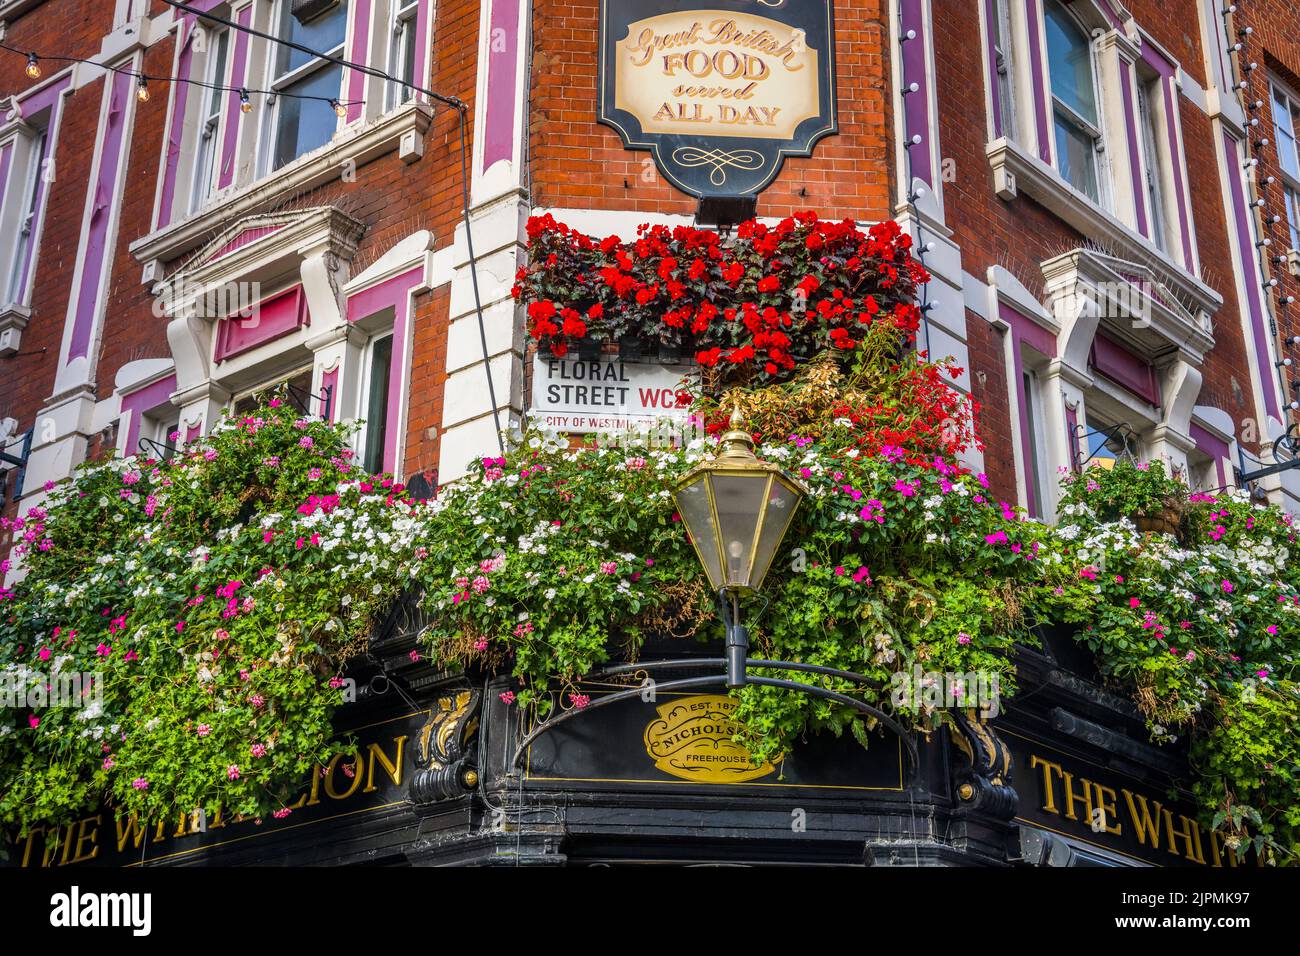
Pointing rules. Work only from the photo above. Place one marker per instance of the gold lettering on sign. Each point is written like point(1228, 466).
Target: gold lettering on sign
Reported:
point(732, 74)
point(1093, 807)
point(691, 738)
point(371, 769)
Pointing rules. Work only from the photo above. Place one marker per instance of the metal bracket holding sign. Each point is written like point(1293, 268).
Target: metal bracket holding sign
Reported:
point(719, 92)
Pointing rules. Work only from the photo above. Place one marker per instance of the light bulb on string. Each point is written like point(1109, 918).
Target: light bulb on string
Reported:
point(33, 67)
point(338, 108)
point(142, 90)
point(245, 104)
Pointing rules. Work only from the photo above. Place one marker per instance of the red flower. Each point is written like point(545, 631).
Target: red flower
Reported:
point(769, 284)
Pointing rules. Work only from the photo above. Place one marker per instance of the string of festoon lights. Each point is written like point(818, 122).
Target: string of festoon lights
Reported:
point(1276, 300)
point(143, 91)
point(913, 190)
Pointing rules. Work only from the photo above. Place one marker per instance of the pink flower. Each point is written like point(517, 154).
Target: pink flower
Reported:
point(861, 574)
point(258, 750)
point(608, 567)
point(305, 441)
point(507, 697)
point(257, 700)
point(1272, 630)
point(33, 721)
point(140, 783)
point(44, 653)
point(203, 730)
point(108, 763)
point(905, 488)
point(963, 638)
point(1134, 602)
point(233, 771)
point(480, 584)
point(579, 700)
point(180, 626)
point(997, 537)
point(1089, 572)
point(130, 656)
point(1227, 587)
point(480, 645)
point(414, 656)
point(282, 813)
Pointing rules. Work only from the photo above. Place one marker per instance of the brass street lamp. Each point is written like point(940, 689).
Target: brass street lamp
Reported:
point(737, 509)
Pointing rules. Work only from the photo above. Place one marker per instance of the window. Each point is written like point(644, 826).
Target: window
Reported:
point(205, 159)
point(1154, 191)
point(1074, 100)
point(401, 51)
point(1286, 120)
point(298, 388)
point(1002, 66)
point(1108, 443)
point(15, 287)
point(294, 125)
point(1034, 467)
point(378, 362)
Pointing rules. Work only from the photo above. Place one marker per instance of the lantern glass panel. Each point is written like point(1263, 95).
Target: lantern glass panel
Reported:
point(693, 503)
point(782, 501)
point(738, 500)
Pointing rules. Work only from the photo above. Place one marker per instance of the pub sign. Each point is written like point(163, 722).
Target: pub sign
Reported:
point(720, 92)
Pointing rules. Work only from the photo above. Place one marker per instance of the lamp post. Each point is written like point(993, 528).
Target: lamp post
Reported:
point(736, 510)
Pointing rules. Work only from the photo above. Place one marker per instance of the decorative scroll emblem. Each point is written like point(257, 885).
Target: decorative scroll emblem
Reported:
point(691, 739)
point(984, 784)
point(720, 91)
point(441, 748)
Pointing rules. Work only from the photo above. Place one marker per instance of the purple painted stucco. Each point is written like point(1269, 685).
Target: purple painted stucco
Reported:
point(329, 382)
point(141, 401)
point(1168, 84)
point(422, 28)
point(1246, 247)
point(1025, 331)
point(916, 106)
point(238, 76)
point(499, 122)
point(177, 132)
point(271, 319)
point(1134, 151)
point(104, 200)
point(1042, 115)
point(394, 293)
point(46, 96)
point(1213, 446)
point(356, 79)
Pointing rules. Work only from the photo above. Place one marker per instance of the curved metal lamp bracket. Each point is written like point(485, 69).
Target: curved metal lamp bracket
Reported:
point(714, 680)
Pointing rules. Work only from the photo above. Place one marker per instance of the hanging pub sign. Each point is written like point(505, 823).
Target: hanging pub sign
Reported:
point(719, 92)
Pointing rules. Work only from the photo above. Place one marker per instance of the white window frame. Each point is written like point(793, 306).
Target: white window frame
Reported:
point(207, 146)
point(1094, 131)
point(367, 383)
point(28, 217)
point(403, 34)
point(1288, 140)
point(273, 102)
point(1153, 186)
point(1004, 68)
